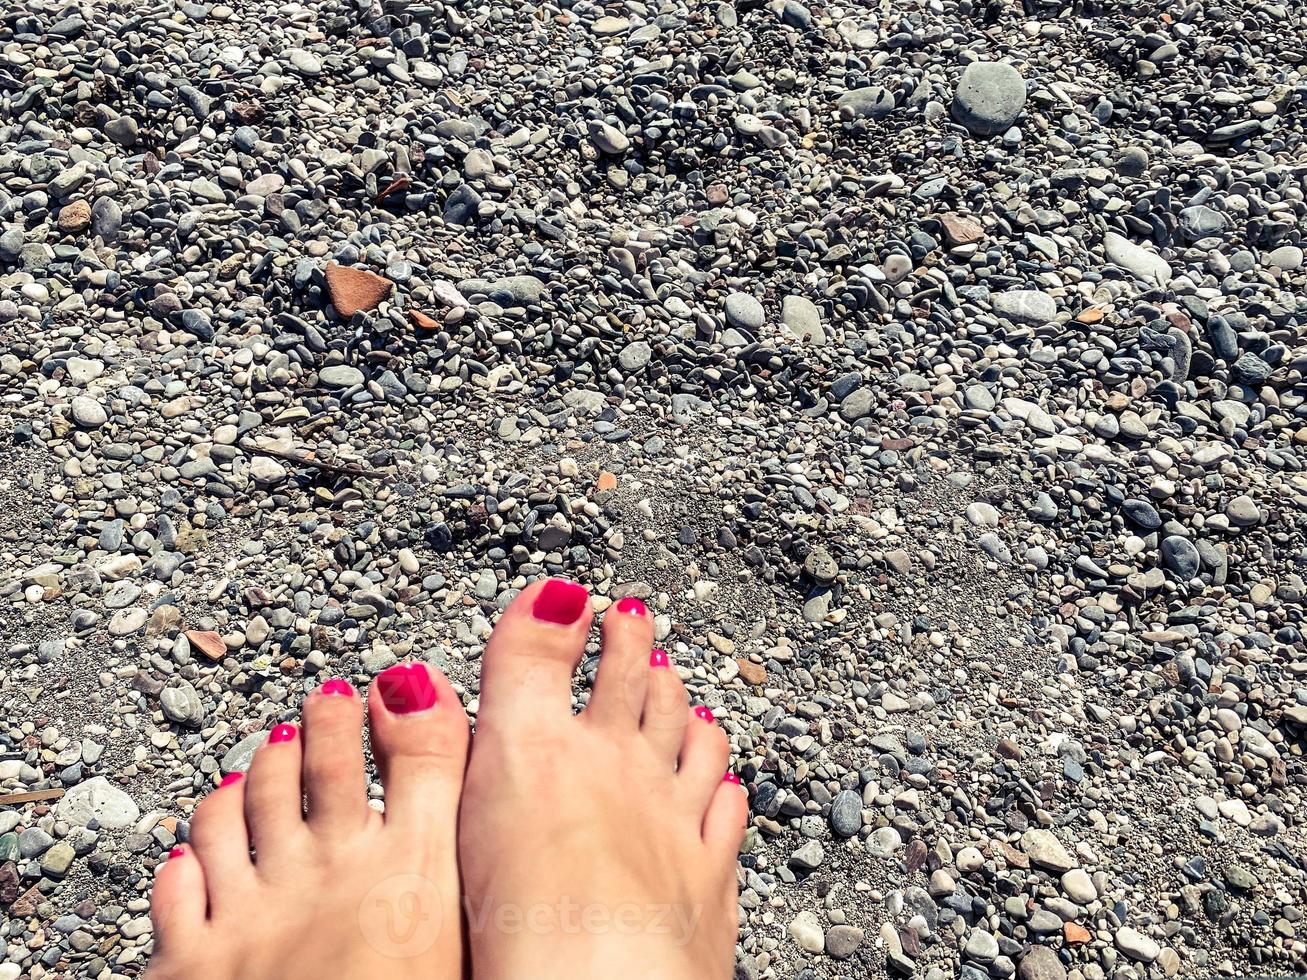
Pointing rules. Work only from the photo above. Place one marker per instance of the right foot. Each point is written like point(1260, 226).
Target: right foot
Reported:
point(602, 844)
point(339, 890)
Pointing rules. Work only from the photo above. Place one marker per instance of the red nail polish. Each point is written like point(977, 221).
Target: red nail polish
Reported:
point(560, 602)
point(632, 606)
point(337, 686)
point(658, 658)
point(176, 852)
point(282, 733)
point(406, 688)
point(704, 713)
point(231, 777)
point(730, 777)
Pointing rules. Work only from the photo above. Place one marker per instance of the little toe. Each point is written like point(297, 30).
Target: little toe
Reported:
point(662, 722)
point(274, 800)
point(221, 844)
point(705, 752)
point(623, 677)
point(526, 672)
point(419, 736)
point(178, 902)
point(334, 779)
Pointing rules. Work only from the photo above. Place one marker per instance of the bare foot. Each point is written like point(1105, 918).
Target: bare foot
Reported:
point(337, 890)
point(602, 844)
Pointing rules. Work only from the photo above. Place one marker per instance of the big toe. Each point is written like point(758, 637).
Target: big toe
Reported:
point(526, 673)
point(420, 740)
point(178, 903)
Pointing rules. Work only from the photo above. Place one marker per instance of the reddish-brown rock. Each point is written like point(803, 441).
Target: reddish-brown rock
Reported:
point(751, 672)
point(208, 643)
point(422, 321)
point(400, 183)
point(353, 290)
point(1075, 934)
point(961, 230)
point(74, 217)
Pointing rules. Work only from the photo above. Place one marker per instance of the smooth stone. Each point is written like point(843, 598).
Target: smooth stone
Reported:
point(1143, 263)
point(98, 799)
point(989, 97)
point(1026, 306)
point(744, 311)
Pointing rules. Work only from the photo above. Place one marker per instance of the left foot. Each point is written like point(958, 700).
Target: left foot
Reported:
point(339, 890)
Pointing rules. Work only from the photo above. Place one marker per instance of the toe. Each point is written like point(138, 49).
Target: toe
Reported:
point(419, 738)
point(526, 673)
point(334, 779)
point(623, 678)
point(662, 722)
point(178, 902)
point(274, 801)
point(705, 752)
point(221, 844)
point(727, 817)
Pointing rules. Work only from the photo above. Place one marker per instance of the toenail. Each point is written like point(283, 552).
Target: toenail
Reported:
point(337, 686)
point(658, 658)
point(730, 777)
point(406, 688)
point(632, 607)
point(704, 713)
point(560, 602)
point(176, 852)
point(282, 733)
point(231, 777)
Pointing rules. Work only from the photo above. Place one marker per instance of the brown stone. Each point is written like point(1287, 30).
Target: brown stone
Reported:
point(1008, 749)
point(208, 643)
point(1014, 858)
point(74, 217)
point(1090, 316)
point(607, 481)
point(916, 855)
point(1075, 934)
point(961, 230)
point(751, 672)
point(400, 183)
point(25, 905)
point(422, 321)
point(354, 290)
point(9, 884)
point(249, 113)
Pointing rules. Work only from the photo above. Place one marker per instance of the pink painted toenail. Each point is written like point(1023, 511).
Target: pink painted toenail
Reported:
point(176, 852)
point(704, 713)
point(282, 733)
point(406, 688)
point(658, 658)
point(231, 777)
point(632, 606)
point(560, 602)
point(730, 777)
point(337, 686)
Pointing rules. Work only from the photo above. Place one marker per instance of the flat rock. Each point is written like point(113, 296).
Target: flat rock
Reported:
point(1025, 306)
point(355, 290)
point(1047, 851)
point(99, 800)
point(1136, 259)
